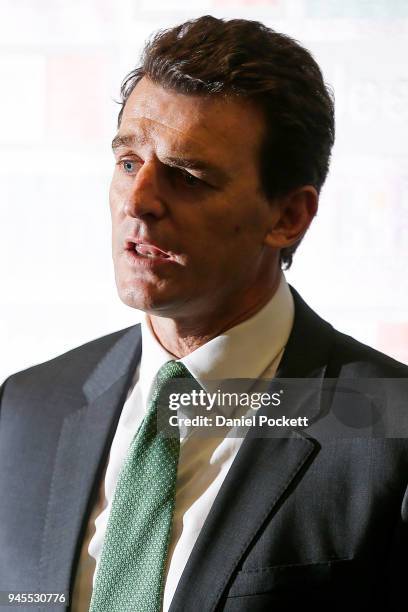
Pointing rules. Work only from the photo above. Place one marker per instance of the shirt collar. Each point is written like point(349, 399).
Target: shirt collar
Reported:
point(246, 350)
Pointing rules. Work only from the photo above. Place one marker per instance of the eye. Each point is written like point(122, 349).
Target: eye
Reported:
point(190, 179)
point(128, 166)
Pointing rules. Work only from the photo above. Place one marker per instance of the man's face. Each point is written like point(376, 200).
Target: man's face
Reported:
point(189, 218)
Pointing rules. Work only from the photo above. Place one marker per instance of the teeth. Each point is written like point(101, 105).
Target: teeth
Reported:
point(144, 254)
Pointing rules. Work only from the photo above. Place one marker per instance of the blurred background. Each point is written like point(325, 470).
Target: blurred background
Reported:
point(61, 65)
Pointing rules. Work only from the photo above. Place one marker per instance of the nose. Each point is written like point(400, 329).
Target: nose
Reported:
point(144, 198)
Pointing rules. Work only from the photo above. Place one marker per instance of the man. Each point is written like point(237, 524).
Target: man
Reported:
point(223, 145)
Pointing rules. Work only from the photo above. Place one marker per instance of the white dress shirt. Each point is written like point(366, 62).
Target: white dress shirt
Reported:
point(249, 350)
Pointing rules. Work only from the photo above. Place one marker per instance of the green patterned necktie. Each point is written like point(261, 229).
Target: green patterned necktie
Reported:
point(132, 564)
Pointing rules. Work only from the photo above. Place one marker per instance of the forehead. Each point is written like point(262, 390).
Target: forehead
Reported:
point(211, 124)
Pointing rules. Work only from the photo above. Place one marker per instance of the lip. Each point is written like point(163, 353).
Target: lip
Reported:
point(146, 245)
point(143, 242)
point(138, 261)
point(135, 258)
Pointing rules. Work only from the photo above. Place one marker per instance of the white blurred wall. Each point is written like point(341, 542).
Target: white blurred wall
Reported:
point(61, 64)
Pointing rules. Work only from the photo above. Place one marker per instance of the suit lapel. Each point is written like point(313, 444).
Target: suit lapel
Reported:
point(85, 438)
point(265, 470)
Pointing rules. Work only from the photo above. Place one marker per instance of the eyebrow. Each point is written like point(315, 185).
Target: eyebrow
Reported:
point(179, 161)
point(126, 140)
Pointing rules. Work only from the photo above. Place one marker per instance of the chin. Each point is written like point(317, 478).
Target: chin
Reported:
point(136, 298)
point(150, 301)
point(154, 302)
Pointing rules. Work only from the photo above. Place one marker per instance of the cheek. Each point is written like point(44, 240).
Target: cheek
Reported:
point(115, 200)
point(242, 223)
point(115, 208)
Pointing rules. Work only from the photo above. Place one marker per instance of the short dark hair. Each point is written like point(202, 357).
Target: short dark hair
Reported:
point(237, 57)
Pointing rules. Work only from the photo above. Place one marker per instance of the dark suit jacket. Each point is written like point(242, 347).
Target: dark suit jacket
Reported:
point(297, 521)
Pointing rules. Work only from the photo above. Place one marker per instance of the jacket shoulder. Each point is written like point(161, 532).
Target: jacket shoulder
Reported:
point(74, 364)
point(314, 343)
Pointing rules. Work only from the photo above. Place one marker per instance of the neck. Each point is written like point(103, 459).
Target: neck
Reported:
point(182, 336)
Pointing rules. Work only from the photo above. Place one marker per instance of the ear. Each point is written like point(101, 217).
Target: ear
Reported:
point(294, 213)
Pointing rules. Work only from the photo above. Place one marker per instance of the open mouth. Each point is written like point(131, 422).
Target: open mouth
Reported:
point(148, 250)
point(145, 250)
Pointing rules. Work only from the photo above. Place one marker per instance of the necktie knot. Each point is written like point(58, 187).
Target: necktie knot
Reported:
point(172, 369)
